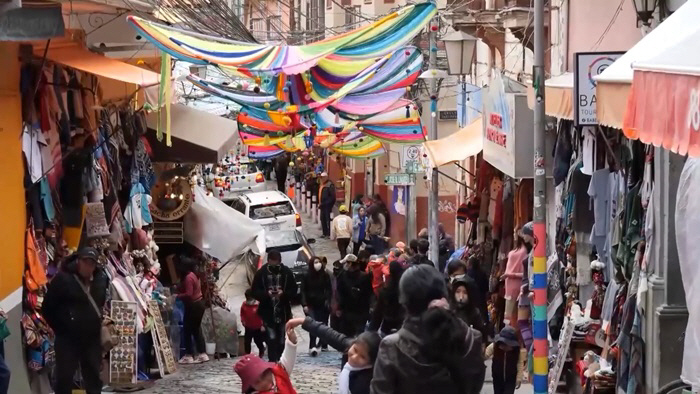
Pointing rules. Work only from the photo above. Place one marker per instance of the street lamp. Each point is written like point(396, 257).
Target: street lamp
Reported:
point(645, 10)
point(460, 48)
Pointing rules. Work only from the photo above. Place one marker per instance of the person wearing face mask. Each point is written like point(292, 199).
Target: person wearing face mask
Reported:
point(463, 293)
point(274, 285)
point(316, 294)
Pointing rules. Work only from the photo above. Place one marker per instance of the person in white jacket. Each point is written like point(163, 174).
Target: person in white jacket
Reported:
point(341, 230)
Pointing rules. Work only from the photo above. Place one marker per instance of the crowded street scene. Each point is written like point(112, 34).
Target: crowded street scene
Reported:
point(350, 196)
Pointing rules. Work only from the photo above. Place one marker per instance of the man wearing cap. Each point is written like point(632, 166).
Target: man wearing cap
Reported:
point(73, 308)
point(341, 230)
point(326, 202)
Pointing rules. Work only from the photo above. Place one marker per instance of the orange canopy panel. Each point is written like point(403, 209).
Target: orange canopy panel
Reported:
point(458, 146)
point(93, 63)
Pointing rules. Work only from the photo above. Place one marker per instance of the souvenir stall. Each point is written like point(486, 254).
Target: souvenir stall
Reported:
point(88, 175)
point(603, 194)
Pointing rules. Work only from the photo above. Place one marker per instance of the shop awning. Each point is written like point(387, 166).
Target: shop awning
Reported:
point(90, 62)
point(614, 83)
point(664, 104)
point(456, 147)
point(558, 96)
point(197, 136)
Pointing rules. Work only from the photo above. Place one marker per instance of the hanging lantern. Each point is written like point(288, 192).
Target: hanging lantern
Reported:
point(266, 139)
point(257, 80)
point(287, 120)
point(266, 105)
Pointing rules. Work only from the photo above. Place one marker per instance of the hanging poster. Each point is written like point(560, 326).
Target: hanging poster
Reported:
point(586, 67)
point(123, 357)
point(498, 127)
point(398, 204)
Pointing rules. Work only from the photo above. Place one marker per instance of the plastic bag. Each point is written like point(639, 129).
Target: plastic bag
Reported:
point(688, 243)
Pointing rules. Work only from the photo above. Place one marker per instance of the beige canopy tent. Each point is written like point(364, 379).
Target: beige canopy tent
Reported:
point(198, 136)
point(559, 96)
point(456, 147)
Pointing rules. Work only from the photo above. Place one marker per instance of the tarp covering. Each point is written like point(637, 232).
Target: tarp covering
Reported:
point(458, 146)
point(613, 83)
point(343, 55)
point(688, 243)
point(93, 63)
point(198, 136)
point(219, 230)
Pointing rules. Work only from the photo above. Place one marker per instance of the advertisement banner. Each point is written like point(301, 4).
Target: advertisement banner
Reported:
point(587, 65)
point(498, 126)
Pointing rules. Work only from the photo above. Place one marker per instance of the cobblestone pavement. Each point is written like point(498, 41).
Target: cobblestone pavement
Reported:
point(311, 375)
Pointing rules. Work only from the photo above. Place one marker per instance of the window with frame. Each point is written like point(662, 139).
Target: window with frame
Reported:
point(352, 17)
point(257, 27)
point(273, 26)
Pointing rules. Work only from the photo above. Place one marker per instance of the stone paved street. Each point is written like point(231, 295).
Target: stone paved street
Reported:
point(310, 376)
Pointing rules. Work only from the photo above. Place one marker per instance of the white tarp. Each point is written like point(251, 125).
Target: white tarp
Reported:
point(219, 230)
point(670, 32)
point(688, 243)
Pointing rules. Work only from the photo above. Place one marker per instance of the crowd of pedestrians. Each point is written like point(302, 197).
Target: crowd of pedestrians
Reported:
point(403, 323)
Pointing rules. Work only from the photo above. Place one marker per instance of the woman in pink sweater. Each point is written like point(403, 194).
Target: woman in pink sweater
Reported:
point(513, 277)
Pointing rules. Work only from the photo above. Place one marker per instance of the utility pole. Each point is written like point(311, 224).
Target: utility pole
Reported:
point(432, 135)
point(539, 266)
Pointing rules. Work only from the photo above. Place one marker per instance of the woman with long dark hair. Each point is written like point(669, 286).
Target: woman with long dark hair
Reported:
point(316, 294)
point(464, 301)
point(388, 314)
point(434, 351)
point(379, 203)
point(190, 293)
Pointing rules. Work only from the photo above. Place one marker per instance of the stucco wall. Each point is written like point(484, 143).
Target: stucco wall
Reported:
point(588, 21)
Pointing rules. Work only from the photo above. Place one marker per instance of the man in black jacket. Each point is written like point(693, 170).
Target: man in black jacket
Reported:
point(422, 256)
point(326, 204)
point(274, 286)
point(281, 168)
point(73, 308)
point(354, 298)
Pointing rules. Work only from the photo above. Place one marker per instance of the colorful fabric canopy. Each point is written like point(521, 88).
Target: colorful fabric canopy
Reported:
point(366, 94)
point(345, 54)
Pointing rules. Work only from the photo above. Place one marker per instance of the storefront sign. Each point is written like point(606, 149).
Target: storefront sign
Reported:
point(31, 22)
point(400, 179)
point(171, 201)
point(498, 126)
point(413, 159)
point(447, 115)
point(586, 67)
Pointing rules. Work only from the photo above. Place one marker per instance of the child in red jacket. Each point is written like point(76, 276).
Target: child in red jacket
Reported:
point(254, 328)
point(262, 377)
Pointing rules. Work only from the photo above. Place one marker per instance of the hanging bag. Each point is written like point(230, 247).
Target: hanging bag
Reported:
point(109, 337)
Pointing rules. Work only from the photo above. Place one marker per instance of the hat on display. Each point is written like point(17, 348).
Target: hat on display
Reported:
point(343, 209)
point(462, 213)
point(89, 254)
point(250, 368)
point(508, 337)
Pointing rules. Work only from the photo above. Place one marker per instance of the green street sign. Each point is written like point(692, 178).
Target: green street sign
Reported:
point(400, 179)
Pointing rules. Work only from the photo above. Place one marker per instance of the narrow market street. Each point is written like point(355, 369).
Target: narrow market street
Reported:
point(312, 375)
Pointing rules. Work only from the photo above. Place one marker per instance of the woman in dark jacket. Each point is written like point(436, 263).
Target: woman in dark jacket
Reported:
point(360, 352)
point(463, 294)
point(316, 294)
point(388, 314)
point(434, 352)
